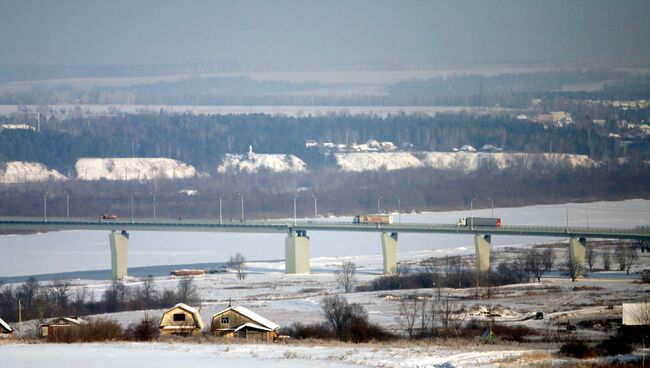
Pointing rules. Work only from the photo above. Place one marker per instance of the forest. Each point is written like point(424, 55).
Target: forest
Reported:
point(202, 140)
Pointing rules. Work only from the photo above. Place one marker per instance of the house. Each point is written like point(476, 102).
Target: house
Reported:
point(5, 329)
point(60, 325)
point(467, 148)
point(243, 323)
point(181, 319)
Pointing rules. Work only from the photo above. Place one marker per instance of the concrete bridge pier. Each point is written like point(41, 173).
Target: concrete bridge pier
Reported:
point(389, 249)
point(296, 252)
point(482, 244)
point(577, 250)
point(119, 242)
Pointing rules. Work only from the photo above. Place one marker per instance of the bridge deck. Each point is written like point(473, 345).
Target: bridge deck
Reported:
point(63, 223)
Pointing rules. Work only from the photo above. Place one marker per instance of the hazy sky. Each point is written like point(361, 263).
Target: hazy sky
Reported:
point(320, 32)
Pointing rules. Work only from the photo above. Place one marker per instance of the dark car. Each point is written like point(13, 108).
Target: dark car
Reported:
point(539, 315)
point(108, 216)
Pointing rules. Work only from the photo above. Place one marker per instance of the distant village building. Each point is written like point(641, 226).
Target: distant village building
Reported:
point(491, 148)
point(5, 329)
point(181, 319)
point(60, 325)
point(556, 118)
point(243, 323)
point(468, 148)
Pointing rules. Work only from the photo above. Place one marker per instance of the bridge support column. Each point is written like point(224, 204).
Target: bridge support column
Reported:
point(119, 251)
point(389, 249)
point(296, 252)
point(482, 244)
point(577, 250)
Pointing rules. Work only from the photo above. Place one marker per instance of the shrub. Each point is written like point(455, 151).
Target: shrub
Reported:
point(145, 330)
point(577, 349)
point(309, 331)
point(614, 345)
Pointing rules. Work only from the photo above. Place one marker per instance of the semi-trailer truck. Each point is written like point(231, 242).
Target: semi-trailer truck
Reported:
point(479, 221)
point(373, 219)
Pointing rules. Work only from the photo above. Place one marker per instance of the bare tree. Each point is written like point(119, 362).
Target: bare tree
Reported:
point(432, 267)
point(535, 263)
point(641, 314)
point(79, 298)
point(574, 268)
point(414, 309)
point(449, 314)
point(148, 293)
point(626, 256)
point(607, 259)
point(590, 257)
point(61, 288)
point(334, 308)
point(186, 291)
point(346, 275)
point(548, 258)
point(238, 264)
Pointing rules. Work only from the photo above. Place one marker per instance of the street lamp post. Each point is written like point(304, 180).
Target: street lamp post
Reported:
point(67, 204)
point(220, 208)
point(399, 211)
point(242, 206)
point(471, 214)
point(294, 211)
point(315, 206)
point(492, 203)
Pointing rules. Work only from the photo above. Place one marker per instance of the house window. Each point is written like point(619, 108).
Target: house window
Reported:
point(179, 317)
point(225, 320)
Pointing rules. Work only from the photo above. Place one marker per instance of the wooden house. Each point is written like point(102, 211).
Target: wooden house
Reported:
point(5, 329)
point(181, 319)
point(243, 323)
point(60, 325)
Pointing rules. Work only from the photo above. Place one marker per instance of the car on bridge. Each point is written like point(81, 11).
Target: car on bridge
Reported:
point(108, 216)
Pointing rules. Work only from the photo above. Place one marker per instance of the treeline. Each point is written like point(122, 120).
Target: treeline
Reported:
point(270, 195)
point(204, 139)
point(62, 298)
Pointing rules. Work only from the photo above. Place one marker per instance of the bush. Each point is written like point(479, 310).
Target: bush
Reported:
point(145, 330)
point(614, 345)
point(309, 331)
point(577, 349)
point(513, 333)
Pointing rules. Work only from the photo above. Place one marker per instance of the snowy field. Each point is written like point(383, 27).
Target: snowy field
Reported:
point(176, 354)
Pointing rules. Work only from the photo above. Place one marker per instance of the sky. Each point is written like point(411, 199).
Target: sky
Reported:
point(306, 32)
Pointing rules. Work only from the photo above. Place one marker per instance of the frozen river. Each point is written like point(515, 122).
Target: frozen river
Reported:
point(69, 251)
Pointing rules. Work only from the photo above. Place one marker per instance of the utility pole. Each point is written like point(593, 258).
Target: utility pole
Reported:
point(379, 204)
point(154, 198)
point(220, 213)
point(471, 214)
point(242, 206)
point(131, 208)
point(294, 211)
point(67, 204)
point(567, 218)
point(492, 203)
point(399, 211)
point(587, 215)
point(20, 319)
point(315, 207)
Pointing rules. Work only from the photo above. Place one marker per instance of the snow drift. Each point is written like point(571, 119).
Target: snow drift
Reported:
point(466, 161)
point(254, 162)
point(132, 169)
point(22, 172)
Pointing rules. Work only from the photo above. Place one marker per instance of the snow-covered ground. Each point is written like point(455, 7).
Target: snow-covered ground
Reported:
point(254, 162)
point(466, 161)
point(175, 354)
point(21, 172)
point(132, 169)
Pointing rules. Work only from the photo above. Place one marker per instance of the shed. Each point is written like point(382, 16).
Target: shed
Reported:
point(60, 325)
point(243, 323)
point(181, 319)
point(5, 329)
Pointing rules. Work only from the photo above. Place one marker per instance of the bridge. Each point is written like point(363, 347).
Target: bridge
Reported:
point(297, 241)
